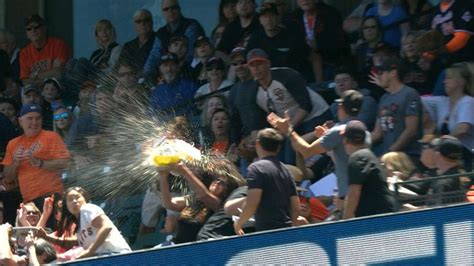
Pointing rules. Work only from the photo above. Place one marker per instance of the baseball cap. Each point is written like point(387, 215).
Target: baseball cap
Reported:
point(215, 61)
point(256, 54)
point(268, 8)
point(351, 100)
point(449, 147)
point(169, 57)
point(355, 131)
point(179, 38)
point(201, 39)
point(34, 18)
point(237, 51)
point(29, 88)
point(390, 63)
point(28, 108)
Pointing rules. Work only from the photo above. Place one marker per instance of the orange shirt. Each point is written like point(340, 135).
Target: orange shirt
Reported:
point(54, 54)
point(220, 146)
point(318, 209)
point(34, 181)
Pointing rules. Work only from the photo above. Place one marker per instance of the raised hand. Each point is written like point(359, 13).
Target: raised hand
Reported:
point(280, 124)
point(374, 78)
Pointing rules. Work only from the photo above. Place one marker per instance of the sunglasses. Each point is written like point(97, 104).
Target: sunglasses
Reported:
point(33, 28)
point(143, 20)
point(238, 63)
point(166, 9)
point(61, 116)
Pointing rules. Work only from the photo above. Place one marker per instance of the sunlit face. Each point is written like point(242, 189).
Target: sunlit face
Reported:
point(62, 118)
point(169, 70)
point(74, 202)
point(220, 124)
point(170, 9)
point(31, 123)
point(213, 104)
point(8, 110)
point(260, 69)
point(409, 47)
point(50, 92)
point(245, 8)
point(229, 11)
point(179, 48)
point(32, 215)
point(218, 187)
point(453, 83)
point(143, 24)
point(370, 30)
point(344, 82)
point(35, 32)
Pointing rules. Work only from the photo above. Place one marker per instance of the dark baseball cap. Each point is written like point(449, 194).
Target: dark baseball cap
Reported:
point(34, 18)
point(351, 100)
point(355, 132)
point(390, 63)
point(200, 40)
point(179, 38)
point(449, 147)
point(29, 88)
point(256, 54)
point(28, 108)
point(169, 57)
point(268, 8)
point(215, 61)
point(238, 51)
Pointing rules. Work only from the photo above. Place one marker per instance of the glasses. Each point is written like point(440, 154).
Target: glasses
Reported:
point(61, 116)
point(143, 20)
point(238, 63)
point(166, 9)
point(33, 28)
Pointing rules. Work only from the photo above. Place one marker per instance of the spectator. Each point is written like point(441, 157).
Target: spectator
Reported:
point(415, 74)
point(216, 74)
point(30, 94)
point(195, 210)
point(203, 51)
point(371, 37)
point(136, 51)
point(237, 33)
point(345, 80)
point(220, 132)
point(28, 215)
point(45, 56)
point(414, 9)
point(390, 15)
point(328, 139)
point(284, 46)
point(179, 46)
point(35, 158)
point(211, 104)
point(398, 125)
point(95, 232)
point(106, 56)
point(8, 44)
point(51, 92)
point(227, 14)
point(271, 192)
point(86, 92)
point(353, 22)
point(9, 108)
point(63, 120)
point(176, 25)
point(368, 193)
point(453, 19)
point(454, 114)
point(174, 95)
point(127, 79)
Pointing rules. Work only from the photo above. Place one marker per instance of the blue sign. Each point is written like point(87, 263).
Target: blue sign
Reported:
point(432, 236)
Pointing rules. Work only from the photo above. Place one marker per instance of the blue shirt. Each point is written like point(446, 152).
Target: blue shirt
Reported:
point(392, 35)
point(175, 98)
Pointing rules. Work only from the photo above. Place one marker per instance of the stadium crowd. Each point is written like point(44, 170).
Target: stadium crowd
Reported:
point(278, 99)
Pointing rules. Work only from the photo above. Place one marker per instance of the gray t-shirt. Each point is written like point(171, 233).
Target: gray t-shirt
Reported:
point(392, 111)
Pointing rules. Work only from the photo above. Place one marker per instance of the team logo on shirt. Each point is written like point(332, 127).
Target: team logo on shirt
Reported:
point(387, 117)
point(279, 94)
point(466, 16)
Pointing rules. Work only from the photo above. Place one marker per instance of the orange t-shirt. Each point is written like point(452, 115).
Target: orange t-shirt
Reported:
point(34, 181)
point(54, 54)
point(318, 209)
point(220, 146)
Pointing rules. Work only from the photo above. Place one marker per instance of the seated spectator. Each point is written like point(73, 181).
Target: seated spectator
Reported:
point(8, 44)
point(176, 25)
point(345, 80)
point(284, 46)
point(212, 103)
point(371, 39)
point(45, 56)
point(28, 215)
point(353, 22)
point(87, 90)
point(203, 51)
point(238, 32)
point(63, 120)
point(368, 192)
point(454, 114)
point(389, 15)
point(216, 74)
point(227, 14)
point(51, 92)
point(179, 46)
point(107, 55)
point(127, 79)
point(174, 95)
point(414, 9)
point(196, 208)
point(10, 109)
point(95, 232)
point(453, 19)
point(416, 74)
point(136, 51)
point(220, 132)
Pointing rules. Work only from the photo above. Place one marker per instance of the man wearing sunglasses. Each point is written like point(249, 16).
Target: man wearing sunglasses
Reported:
point(45, 56)
point(176, 25)
point(136, 51)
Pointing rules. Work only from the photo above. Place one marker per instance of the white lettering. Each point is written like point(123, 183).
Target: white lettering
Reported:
point(458, 243)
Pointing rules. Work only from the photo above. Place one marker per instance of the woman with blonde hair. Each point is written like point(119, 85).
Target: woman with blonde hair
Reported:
point(108, 53)
point(398, 163)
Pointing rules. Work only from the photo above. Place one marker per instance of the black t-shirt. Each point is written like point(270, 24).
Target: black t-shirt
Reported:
point(136, 54)
point(421, 80)
point(236, 36)
point(447, 190)
point(365, 169)
point(219, 224)
point(277, 185)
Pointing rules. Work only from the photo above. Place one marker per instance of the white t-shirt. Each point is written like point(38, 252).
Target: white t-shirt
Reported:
point(87, 234)
point(463, 112)
point(204, 89)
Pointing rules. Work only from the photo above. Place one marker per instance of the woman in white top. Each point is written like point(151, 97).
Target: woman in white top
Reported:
point(95, 232)
point(454, 114)
point(216, 73)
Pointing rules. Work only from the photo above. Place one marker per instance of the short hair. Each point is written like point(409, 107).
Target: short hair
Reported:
point(345, 69)
point(400, 162)
point(143, 11)
point(42, 247)
point(270, 139)
point(108, 25)
point(11, 102)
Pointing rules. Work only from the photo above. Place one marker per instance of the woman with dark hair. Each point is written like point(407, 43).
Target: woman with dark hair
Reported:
point(227, 14)
point(371, 36)
point(95, 232)
point(63, 119)
point(108, 53)
point(220, 131)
